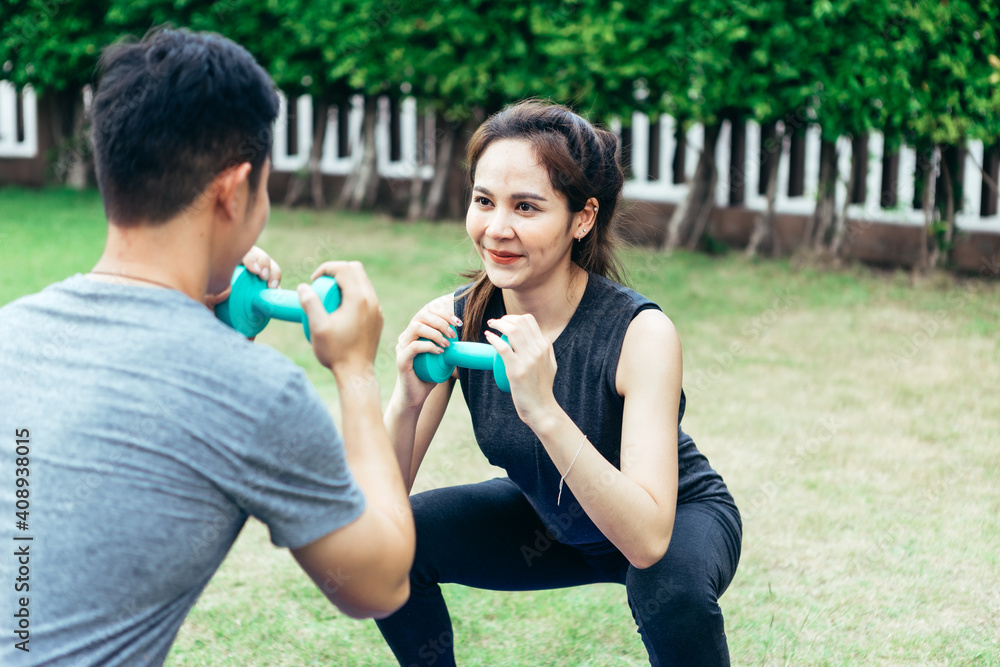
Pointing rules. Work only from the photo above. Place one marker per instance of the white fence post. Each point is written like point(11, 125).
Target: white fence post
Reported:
point(330, 161)
point(723, 153)
point(640, 147)
point(281, 159)
point(752, 198)
point(10, 147)
point(407, 165)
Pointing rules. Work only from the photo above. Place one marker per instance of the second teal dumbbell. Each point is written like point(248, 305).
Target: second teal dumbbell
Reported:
point(477, 356)
point(251, 305)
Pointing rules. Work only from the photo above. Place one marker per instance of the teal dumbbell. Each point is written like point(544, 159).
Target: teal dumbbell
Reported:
point(251, 305)
point(477, 356)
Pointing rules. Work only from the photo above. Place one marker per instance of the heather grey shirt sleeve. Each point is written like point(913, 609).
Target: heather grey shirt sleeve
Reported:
point(294, 476)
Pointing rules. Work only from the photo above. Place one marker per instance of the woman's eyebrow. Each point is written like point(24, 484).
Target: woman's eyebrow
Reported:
point(516, 195)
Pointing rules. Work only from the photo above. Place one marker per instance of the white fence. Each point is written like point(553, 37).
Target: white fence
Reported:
point(664, 189)
point(409, 152)
point(413, 159)
point(18, 109)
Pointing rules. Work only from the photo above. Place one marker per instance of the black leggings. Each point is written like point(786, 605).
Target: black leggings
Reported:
point(488, 536)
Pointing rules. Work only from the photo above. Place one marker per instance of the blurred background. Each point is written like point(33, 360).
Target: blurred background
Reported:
point(866, 130)
point(811, 197)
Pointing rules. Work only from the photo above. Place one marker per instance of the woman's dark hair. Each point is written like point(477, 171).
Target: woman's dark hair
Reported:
point(582, 162)
point(171, 112)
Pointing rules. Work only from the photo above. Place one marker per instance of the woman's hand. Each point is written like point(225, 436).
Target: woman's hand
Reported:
point(433, 322)
point(531, 366)
point(258, 263)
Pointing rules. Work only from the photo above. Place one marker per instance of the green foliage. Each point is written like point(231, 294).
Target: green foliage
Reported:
point(462, 57)
point(52, 45)
point(928, 70)
point(955, 71)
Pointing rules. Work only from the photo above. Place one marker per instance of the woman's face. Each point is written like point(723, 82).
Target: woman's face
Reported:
point(521, 226)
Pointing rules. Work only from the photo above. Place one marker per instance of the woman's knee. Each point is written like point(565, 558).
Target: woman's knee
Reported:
point(653, 594)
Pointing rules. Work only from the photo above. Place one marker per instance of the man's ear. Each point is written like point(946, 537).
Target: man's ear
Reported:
point(231, 186)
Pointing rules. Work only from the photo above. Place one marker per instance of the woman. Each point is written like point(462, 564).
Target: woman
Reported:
point(602, 486)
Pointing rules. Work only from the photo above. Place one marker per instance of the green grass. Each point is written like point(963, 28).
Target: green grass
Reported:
point(853, 414)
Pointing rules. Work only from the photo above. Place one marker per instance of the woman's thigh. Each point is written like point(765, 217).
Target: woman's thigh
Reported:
point(487, 535)
point(676, 601)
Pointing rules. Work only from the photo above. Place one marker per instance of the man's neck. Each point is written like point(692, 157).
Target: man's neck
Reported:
point(172, 254)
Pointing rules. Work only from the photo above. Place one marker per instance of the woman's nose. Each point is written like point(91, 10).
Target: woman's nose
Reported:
point(499, 226)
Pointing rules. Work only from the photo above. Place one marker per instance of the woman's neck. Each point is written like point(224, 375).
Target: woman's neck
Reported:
point(552, 303)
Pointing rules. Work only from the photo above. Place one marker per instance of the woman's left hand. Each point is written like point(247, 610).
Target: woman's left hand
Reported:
point(531, 365)
point(258, 263)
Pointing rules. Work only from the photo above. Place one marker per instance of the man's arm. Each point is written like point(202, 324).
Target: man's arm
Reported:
point(363, 568)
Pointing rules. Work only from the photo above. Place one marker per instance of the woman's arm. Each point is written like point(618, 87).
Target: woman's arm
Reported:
point(412, 429)
point(634, 507)
point(416, 407)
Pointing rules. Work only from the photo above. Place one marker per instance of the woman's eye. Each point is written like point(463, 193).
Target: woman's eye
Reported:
point(525, 207)
point(482, 201)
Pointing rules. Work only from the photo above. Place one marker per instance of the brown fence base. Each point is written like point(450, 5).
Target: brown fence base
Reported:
point(879, 243)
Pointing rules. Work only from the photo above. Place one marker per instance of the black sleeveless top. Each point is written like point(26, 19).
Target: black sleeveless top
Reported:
point(587, 353)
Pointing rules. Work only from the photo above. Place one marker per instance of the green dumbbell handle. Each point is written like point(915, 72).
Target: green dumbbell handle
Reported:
point(279, 304)
point(251, 305)
point(476, 356)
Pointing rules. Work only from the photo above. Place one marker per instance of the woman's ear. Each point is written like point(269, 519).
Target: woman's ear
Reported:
point(584, 220)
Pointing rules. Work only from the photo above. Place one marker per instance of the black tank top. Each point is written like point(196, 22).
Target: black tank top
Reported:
point(587, 353)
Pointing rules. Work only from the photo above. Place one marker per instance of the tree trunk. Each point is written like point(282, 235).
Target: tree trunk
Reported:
point(416, 196)
point(818, 225)
point(347, 189)
point(938, 257)
point(840, 223)
point(369, 196)
point(68, 128)
point(987, 179)
point(77, 176)
point(442, 168)
point(368, 169)
point(763, 237)
point(319, 139)
point(417, 182)
point(701, 222)
point(927, 204)
point(458, 188)
point(298, 181)
point(690, 217)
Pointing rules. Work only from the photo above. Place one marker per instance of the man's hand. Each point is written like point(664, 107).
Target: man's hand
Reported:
point(346, 340)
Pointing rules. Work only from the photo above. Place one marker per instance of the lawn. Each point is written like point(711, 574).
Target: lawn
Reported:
point(855, 416)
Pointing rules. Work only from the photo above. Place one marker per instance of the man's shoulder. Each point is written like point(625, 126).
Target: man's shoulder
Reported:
point(127, 326)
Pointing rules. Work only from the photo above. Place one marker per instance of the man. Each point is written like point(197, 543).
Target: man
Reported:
point(137, 432)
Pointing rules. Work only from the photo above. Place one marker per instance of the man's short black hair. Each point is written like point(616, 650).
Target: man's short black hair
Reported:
point(171, 112)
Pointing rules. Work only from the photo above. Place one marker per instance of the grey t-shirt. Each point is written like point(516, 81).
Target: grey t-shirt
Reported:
point(149, 431)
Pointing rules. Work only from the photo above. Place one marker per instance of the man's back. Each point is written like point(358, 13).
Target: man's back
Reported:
point(152, 432)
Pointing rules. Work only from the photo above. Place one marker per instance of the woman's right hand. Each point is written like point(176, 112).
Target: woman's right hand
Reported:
point(433, 322)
